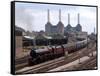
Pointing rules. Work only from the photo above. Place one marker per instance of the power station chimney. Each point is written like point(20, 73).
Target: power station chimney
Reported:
point(68, 18)
point(59, 14)
point(78, 18)
point(78, 27)
point(48, 15)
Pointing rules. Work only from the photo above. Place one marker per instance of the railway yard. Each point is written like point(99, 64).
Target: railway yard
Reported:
point(83, 59)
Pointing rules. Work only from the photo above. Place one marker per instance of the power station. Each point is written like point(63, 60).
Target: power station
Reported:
point(59, 27)
point(54, 29)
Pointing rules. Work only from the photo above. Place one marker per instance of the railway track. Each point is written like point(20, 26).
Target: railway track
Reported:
point(21, 60)
point(88, 63)
point(55, 63)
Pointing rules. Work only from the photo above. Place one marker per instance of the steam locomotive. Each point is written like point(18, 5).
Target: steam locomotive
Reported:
point(52, 52)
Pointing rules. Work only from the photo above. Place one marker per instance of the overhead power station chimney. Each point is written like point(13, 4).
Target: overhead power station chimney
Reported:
point(48, 25)
point(68, 18)
point(60, 25)
point(78, 27)
point(78, 18)
point(48, 15)
point(59, 14)
point(68, 27)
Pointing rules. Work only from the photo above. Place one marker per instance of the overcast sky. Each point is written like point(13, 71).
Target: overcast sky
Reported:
point(33, 17)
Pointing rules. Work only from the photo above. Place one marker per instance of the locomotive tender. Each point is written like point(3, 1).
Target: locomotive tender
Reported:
point(52, 52)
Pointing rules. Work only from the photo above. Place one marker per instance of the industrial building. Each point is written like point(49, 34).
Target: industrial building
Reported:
point(18, 40)
point(59, 28)
point(54, 29)
point(69, 28)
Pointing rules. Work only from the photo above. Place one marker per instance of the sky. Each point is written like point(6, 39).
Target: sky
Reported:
point(33, 16)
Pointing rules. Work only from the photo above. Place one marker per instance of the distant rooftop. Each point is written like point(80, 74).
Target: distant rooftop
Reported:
point(19, 29)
